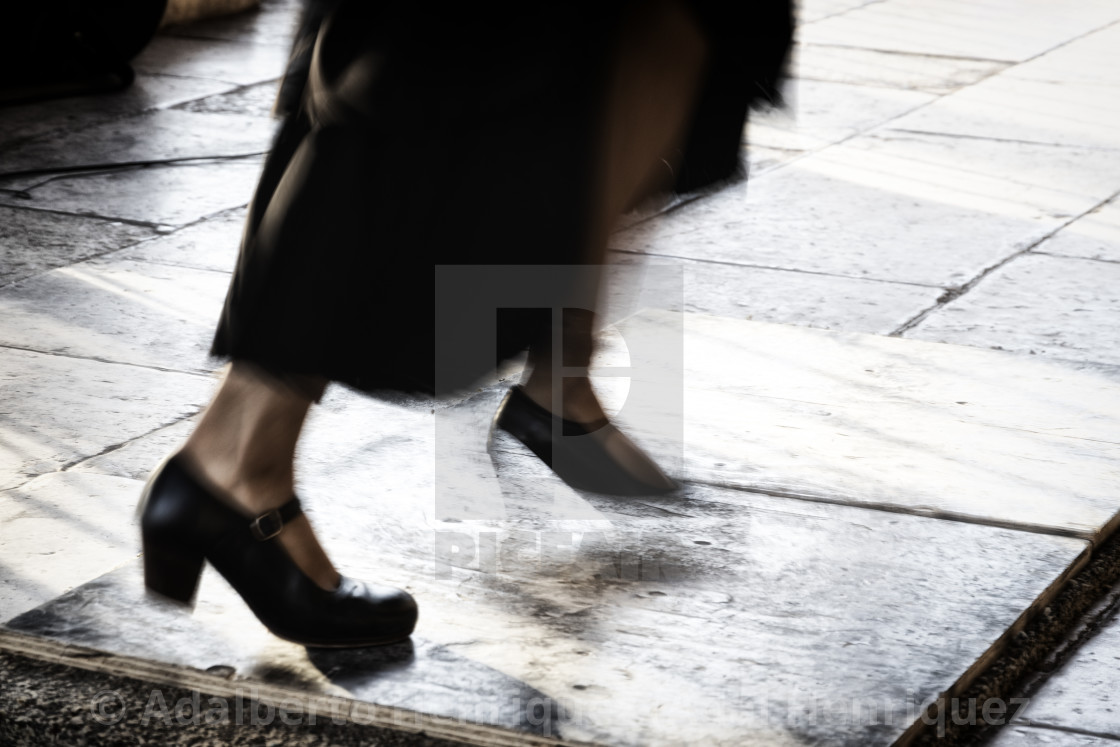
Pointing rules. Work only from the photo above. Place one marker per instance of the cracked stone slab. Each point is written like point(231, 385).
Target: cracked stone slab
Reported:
point(33, 242)
point(59, 531)
point(136, 459)
point(1005, 107)
point(822, 112)
point(168, 195)
point(1076, 171)
point(1008, 32)
point(23, 122)
point(863, 209)
point(1092, 236)
point(933, 429)
point(61, 410)
point(152, 136)
point(1080, 695)
point(255, 101)
point(783, 296)
point(871, 67)
point(210, 244)
point(1077, 62)
point(713, 623)
point(230, 62)
point(1056, 307)
point(1030, 736)
point(122, 311)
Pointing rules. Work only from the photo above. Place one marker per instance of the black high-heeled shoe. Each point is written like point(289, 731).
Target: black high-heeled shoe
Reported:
point(586, 456)
point(183, 524)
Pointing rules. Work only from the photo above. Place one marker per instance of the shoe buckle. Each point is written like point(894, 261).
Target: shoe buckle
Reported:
point(267, 525)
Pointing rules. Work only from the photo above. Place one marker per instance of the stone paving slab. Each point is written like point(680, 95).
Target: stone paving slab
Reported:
point(49, 699)
point(870, 67)
point(122, 311)
point(61, 410)
point(255, 100)
point(782, 622)
point(1048, 306)
point(58, 531)
point(763, 628)
point(26, 121)
point(938, 429)
point(152, 136)
point(136, 458)
point(990, 177)
point(1093, 236)
point(823, 112)
point(229, 62)
point(170, 195)
point(993, 31)
point(1009, 108)
point(1082, 61)
point(1027, 736)
point(33, 242)
point(781, 296)
point(211, 244)
point(1067, 172)
point(843, 210)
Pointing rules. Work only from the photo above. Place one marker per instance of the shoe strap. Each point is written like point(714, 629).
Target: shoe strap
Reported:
point(567, 427)
point(270, 523)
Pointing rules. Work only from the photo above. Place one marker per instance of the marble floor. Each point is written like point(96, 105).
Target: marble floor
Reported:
point(884, 370)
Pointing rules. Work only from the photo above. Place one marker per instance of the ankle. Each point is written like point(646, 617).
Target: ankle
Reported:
point(577, 398)
point(255, 485)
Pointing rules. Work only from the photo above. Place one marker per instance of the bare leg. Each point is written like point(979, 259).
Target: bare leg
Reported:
point(652, 92)
point(245, 445)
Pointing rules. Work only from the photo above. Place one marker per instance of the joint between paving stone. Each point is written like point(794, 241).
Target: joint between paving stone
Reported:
point(799, 270)
point(922, 513)
point(955, 292)
point(118, 446)
point(78, 171)
point(900, 53)
point(1086, 259)
point(110, 218)
point(238, 88)
point(161, 369)
point(987, 138)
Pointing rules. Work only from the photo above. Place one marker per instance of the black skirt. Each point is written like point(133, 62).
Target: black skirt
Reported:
point(412, 143)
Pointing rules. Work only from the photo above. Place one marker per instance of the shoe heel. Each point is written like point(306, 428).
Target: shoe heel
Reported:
point(172, 572)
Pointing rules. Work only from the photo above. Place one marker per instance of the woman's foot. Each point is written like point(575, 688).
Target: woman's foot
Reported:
point(244, 448)
point(228, 498)
point(556, 414)
point(184, 524)
point(589, 455)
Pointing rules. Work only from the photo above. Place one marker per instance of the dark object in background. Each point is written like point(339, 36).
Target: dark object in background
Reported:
point(54, 48)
